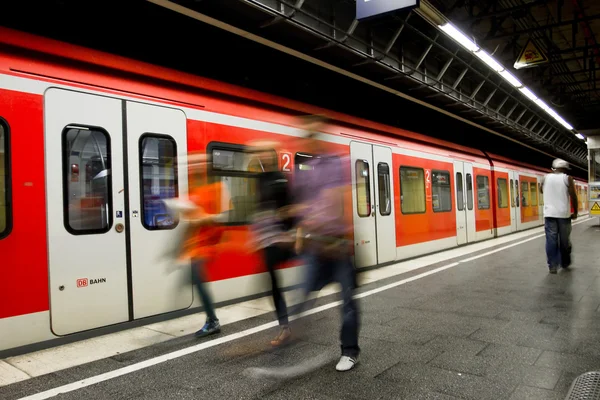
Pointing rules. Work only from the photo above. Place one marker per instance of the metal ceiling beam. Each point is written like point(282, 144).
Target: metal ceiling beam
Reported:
point(544, 27)
point(583, 91)
point(505, 11)
point(427, 77)
point(576, 49)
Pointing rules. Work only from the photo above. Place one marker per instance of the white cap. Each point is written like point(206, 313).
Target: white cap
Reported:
point(558, 163)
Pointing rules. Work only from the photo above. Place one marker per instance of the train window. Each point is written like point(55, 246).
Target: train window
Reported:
point(460, 201)
point(469, 192)
point(412, 190)
point(517, 197)
point(5, 212)
point(237, 170)
point(512, 193)
point(301, 160)
point(87, 180)
point(385, 190)
point(483, 192)
point(502, 193)
point(440, 191)
point(533, 191)
point(363, 188)
point(541, 195)
point(525, 194)
point(158, 170)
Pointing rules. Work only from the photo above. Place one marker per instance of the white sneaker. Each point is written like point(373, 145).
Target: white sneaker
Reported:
point(346, 363)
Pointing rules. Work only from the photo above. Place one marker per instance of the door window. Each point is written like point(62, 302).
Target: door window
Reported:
point(363, 188)
point(158, 169)
point(525, 194)
point(87, 180)
point(533, 193)
point(541, 194)
point(440, 191)
point(412, 190)
point(469, 192)
point(385, 191)
point(483, 192)
point(460, 201)
point(512, 193)
point(502, 193)
point(5, 212)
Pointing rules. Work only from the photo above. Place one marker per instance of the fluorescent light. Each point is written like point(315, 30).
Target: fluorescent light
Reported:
point(459, 37)
point(564, 123)
point(489, 60)
point(580, 136)
point(543, 106)
point(553, 114)
point(510, 78)
point(528, 93)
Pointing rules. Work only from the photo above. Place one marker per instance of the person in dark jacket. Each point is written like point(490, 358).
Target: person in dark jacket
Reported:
point(271, 228)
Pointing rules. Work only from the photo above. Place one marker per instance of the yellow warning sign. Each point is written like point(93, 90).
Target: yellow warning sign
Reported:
point(595, 210)
point(530, 56)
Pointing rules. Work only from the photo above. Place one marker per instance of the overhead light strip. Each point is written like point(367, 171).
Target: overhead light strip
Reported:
point(471, 46)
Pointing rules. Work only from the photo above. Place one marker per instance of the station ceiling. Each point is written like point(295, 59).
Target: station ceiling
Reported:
point(400, 68)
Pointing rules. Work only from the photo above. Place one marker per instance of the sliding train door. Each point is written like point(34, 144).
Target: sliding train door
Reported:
point(109, 164)
point(157, 169)
point(373, 204)
point(465, 210)
point(515, 203)
point(85, 202)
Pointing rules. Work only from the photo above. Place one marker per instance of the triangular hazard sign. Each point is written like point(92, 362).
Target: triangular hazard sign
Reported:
point(595, 207)
point(530, 56)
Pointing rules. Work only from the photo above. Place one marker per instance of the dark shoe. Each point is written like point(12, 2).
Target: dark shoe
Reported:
point(283, 337)
point(210, 328)
point(553, 270)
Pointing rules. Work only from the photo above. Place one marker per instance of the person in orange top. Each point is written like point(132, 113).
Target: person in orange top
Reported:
point(205, 232)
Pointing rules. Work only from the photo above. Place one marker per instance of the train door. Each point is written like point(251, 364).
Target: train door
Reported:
point(85, 203)
point(372, 202)
point(518, 201)
point(465, 210)
point(540, 200)
point(514, 200)
point(101, 264)
point(157, 169)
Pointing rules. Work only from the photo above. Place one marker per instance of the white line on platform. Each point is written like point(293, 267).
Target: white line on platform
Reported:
point(234, 336)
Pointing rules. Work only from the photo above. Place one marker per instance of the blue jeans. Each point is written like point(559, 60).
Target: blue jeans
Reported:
point(558, 243)
point(199, 281)
point(321, 271)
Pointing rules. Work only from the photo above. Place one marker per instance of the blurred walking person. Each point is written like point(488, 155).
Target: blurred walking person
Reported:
point(558, 188)
point(204, 215)
point(272, 227)
point(323, 233)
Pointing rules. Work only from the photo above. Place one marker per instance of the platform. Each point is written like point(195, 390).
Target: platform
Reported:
point(481, 322)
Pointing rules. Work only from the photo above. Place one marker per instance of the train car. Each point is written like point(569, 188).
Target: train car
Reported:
point(91, 143)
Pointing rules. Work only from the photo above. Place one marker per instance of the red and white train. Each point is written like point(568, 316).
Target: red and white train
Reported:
point(90, 143)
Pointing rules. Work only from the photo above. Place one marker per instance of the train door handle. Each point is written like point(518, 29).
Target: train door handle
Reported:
point(119, 228)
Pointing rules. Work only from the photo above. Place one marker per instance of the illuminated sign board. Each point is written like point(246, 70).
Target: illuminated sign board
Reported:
point(371, 8)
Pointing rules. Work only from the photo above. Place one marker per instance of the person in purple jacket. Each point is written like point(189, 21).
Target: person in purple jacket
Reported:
point(323, 232)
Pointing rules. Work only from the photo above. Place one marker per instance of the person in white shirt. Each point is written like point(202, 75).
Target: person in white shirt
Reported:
point(558, 188)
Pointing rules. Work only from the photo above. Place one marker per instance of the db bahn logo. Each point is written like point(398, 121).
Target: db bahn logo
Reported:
point(85, 282)
point(82, 282)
